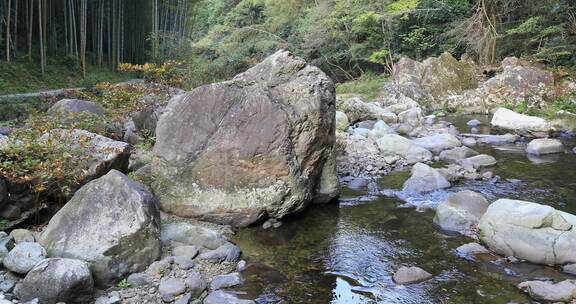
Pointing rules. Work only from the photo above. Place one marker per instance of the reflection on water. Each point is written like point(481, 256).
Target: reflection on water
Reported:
point(347, 252)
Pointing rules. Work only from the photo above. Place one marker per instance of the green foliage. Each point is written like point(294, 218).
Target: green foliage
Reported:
point(369, 86)
point(380, 57)
point(403, 6)
point(123, 284)
point(565, 103)
point(3, 224)
point(526, 27)
point(47, 166)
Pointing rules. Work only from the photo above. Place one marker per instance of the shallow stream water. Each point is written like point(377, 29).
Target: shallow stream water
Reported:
point(347, 252)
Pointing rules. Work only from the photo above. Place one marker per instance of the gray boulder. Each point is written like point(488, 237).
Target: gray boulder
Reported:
point(489, 139)
point(550, 291)
point(225, 297)
point(127, 210)
point(425, 179)
point(196, 283)
point(543, 146)
point(395, 145)
point(454, 155)
point(411, 117)
point(194, 235)
point(521, 124)
point(357, 110)
point(226, 280)
point(438, 143)
point(57, 280)
point(23, 257)
point(75, 106)
point(533, 232)
point(410, 275)
point(461, 213)
point(222, 148)
point(170, 288)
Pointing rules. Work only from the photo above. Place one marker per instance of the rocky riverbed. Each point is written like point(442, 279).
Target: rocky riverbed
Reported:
point(231, 204)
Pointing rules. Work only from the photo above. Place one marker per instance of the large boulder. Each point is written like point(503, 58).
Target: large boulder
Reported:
point(57, 280)
point(521, 124)
point(541, 146)
point(438, 143)
point(260, 145)
point(113, 223)
point(396, 145)
point(533, 232)
point(425, 179)
point(433, 78)
point(461, 212)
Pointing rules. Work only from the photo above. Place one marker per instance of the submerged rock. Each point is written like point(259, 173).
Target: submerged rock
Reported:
point(462, 212)
point(550, 291)
point(478, 161)
point(520, 123)
point(223, 151)
point(57, 280)
point(113, 223)
point(225, 297)
point(226, 280)
point(543, 146)
point(470, 249)
point(425, 179)
point(533, 232)
point(410, 275)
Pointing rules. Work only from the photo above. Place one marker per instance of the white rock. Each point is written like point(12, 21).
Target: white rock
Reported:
point(396, 145)
point(520, 123)
point(542, 146)
point(462, 212)
point(425, 179)
point(412, 117)
point(548, 291)
point(533, 232)
point(410, 275)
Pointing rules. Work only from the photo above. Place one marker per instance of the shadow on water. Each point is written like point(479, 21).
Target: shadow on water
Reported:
point(347, 252)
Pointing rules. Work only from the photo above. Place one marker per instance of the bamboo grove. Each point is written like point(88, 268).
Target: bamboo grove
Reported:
point(98, 32)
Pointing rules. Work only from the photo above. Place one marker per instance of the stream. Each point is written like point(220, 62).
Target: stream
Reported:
point(348, 252)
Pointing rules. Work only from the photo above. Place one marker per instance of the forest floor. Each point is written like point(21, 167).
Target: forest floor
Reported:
point(23, 76)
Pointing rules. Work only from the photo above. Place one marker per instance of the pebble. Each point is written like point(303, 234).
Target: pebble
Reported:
point(241, 266)
point(196, 283)
point(409, 275)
